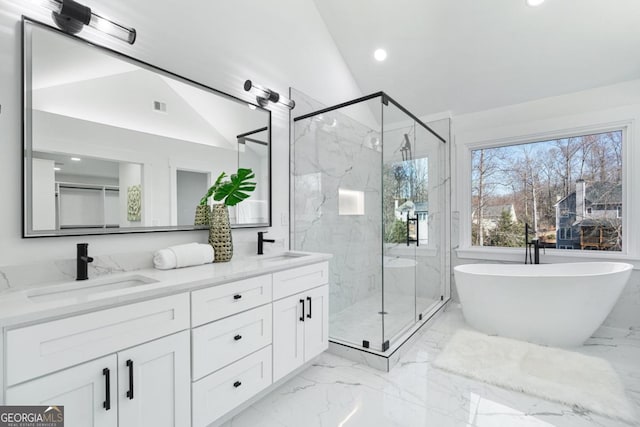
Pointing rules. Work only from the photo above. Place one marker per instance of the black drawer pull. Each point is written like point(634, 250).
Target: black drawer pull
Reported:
point(302, 317)
point(309, 315)
point(107, 389)
point(237, 337)
point(130, 391)
point(237, 384)
point(237, 296)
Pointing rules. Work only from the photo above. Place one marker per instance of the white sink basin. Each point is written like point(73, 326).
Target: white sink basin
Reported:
point(284, 256)
point(85, 288)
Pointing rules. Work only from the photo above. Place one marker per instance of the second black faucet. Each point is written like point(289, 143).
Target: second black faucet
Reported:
point(262, 240)
point(82, 261)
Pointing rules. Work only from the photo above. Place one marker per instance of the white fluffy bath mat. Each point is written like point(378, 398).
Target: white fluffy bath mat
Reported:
point(559, 375)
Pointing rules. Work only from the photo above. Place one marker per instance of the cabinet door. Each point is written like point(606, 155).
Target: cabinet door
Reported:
point(154, 383)
point(82, 390)
point(288, 335)
point(316, 322)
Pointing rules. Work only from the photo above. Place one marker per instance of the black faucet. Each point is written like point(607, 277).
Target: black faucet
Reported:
point(82, 261)
point(535, 243)
point(261, 241)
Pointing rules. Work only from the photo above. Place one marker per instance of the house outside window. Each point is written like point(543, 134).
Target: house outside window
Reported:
point(569, 191)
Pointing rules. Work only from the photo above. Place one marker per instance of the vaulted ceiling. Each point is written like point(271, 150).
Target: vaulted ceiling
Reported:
point(471, 55)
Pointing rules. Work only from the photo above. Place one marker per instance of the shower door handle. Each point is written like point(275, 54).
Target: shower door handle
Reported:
point(409, 239)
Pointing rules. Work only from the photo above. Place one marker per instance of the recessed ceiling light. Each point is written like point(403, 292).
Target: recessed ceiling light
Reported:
point(534, 2)
point(76, 159)
point(380, 54)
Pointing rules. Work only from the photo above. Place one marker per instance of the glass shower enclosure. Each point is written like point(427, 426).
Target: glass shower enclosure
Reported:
point(370, 185)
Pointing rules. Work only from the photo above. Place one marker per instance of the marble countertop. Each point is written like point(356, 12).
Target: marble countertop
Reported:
point(18, 305)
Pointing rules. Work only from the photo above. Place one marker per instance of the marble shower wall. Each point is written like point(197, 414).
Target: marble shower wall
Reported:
point(330, 152)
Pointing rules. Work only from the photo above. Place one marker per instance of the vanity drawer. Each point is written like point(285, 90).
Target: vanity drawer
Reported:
point(36, 350)
point(299, 279)
point(222, 391)
point(223, 342)
point(221, 301)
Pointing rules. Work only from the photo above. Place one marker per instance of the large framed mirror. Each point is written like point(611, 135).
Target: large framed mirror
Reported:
point(114, 145)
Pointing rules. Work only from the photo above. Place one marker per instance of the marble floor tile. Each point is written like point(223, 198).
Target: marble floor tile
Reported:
point(335, 392)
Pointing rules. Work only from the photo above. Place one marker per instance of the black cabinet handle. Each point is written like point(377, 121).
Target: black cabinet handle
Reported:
point(309, 315)
point(130, 391)
point(237, 384)
point(237, 296)
point(107, 389)
point(237, 337)
point(302, 317)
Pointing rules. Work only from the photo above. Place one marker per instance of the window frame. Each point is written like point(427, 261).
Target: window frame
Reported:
point(630, 154)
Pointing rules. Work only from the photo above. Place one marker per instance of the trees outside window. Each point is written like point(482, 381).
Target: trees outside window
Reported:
point(569, 191)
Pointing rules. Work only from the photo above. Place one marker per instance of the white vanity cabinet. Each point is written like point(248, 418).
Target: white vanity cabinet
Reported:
point(154, 383)
point(180, 360)
point(301, 320)
point(146, 385)
point(87, 392)
point(232, 356)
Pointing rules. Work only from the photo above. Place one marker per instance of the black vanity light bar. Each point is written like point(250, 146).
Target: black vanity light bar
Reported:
point(72, 16)
point(265, 95)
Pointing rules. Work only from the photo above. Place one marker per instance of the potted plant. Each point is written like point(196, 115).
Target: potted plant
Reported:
point(230, 192)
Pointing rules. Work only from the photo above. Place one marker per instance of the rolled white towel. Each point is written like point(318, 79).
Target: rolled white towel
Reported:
point(164, 259)
point(183, 256)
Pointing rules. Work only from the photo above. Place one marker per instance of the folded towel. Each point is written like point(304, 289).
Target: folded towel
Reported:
point(183, 256)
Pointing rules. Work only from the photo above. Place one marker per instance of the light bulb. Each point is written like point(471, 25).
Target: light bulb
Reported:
point(380, 54)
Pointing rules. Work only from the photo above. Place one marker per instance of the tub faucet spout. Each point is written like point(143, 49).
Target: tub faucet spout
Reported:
point(533, 243)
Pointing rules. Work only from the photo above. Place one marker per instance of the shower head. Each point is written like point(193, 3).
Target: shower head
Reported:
point(405, 148)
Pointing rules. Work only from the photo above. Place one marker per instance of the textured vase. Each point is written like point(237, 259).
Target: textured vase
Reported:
point(220, 233)
point(203, 215)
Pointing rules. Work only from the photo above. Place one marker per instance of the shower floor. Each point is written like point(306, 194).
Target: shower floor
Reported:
point(362, 321)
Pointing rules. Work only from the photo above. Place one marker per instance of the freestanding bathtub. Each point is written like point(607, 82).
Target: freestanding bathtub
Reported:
point(551, 304)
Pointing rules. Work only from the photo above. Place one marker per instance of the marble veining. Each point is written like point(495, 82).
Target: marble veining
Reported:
point(34, 274)
point(16, 307)
point(16, 276)
point(337, 392)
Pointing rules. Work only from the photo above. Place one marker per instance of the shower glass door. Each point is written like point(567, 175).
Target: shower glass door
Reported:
point(431, 169)
point(336, 208)
point(403, 200)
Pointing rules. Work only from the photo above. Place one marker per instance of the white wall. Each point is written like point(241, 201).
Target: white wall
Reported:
point(44, 201)
point(217, 43)
point(545, 118)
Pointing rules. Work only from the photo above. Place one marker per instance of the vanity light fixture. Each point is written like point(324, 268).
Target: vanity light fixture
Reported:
point(264, 95)
point(71, 17)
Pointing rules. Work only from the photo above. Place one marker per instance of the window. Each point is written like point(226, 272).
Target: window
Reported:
point(548, 185)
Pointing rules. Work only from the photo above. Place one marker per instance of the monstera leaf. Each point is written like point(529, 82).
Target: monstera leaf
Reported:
point(211, 190)
point(236, 189)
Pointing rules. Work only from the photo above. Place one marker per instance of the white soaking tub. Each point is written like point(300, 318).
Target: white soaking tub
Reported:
point(551, 304)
